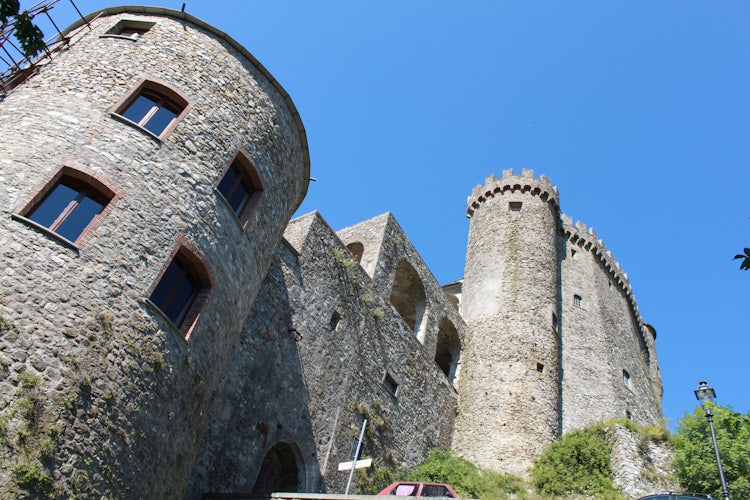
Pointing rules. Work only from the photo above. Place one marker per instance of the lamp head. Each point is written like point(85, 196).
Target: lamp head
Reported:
point(704, 393)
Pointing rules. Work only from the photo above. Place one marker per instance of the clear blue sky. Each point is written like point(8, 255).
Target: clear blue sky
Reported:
point(639, 111)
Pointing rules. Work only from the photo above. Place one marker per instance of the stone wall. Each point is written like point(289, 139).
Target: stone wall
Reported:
point(610, 368)
point(302, 378)
point(97, 385)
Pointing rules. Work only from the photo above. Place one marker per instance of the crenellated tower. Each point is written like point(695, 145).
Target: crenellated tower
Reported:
point(510, 390)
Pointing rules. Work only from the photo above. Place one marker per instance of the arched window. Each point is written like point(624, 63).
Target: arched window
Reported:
point(182, 290)
point(154, 107)
point(408, 297)
point(241, 187)
point(71, 204)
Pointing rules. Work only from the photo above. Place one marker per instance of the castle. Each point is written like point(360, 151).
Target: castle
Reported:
point(167, 331)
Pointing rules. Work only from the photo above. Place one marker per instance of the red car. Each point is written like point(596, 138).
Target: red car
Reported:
point(418, 489)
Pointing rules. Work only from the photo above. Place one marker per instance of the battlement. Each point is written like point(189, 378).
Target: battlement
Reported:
point(586, 238)
point(525, 182)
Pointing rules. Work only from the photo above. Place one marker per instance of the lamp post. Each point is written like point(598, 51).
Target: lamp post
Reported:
point(706, 394)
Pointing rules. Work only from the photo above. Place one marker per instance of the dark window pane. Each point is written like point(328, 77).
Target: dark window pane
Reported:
point(238, 198)
point(139, 108)
point(182, 298)
point(433, 490)
point(81, 216)
point(229, 180)
point(234, 188)
point(160, 120)
point(175, 291)
point(53, 205)
point(169, 278)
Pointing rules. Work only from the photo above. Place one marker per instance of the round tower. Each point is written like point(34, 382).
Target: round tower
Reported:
point(150, 165)
point(509, 394)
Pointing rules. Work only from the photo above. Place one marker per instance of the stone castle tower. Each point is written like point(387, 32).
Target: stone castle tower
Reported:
point(511, 302)
point(127, 274)
point(166, 331)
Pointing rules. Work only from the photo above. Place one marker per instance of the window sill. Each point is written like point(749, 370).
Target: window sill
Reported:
point(176, 329)
point(66, 242)
point(136, 126)
point(121, 37)
point(224, 201)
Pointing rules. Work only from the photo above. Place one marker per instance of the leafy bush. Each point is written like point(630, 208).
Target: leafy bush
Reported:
point(466, 478)
point(373, 479)
point(31, 476)
point(577, 464)
point(695, 459)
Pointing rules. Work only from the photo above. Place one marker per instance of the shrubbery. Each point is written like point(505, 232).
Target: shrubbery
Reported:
point(467, 479)
point(576, 464)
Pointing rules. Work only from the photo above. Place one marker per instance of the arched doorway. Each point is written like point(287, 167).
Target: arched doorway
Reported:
point(280, 470)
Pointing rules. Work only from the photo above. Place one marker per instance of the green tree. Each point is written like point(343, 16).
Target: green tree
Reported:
point(577, 464)
point(695, 459)
point(28, 34)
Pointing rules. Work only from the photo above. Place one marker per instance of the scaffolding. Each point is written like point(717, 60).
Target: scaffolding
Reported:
point(18, 65)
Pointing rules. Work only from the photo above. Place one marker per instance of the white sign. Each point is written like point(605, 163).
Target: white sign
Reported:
point(359, 464)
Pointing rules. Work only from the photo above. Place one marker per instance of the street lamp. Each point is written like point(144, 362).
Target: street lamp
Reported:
point(706, 394)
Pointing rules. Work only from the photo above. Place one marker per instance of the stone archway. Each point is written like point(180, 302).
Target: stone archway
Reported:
point(282, 470)
point(408, 297)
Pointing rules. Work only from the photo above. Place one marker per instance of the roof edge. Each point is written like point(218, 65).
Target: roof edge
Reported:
point(162, 11)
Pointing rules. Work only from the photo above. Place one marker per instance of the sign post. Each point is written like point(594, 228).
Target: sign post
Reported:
point(355, 455)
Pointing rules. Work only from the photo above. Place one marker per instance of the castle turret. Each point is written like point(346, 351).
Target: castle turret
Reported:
point(149, 168)
point(509, 394)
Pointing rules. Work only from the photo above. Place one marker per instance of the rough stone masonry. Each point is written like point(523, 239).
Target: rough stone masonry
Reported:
point(293, 333)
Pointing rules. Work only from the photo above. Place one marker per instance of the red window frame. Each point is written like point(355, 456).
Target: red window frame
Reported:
point(247, 177)
point(164, 95)
point(192, 267)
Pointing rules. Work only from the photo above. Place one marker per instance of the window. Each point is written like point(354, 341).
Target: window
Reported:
point(132, 30)
point(577, 300)
point(71, 204)
point(182, 290)
point(515, 206)
point(540, 367)
point(626, 379)
point(241, 187)
point(335, 320)
point(390, 383)
point(153, 107)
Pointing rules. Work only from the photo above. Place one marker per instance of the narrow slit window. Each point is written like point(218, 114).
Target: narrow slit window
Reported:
point(515, 206)
point(335, 321)
point(626, 379)
point(390, 383)
point(540, 367)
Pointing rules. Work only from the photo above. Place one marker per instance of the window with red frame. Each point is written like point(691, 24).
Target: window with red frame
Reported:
point(178, 288)
point(152, 111)
point(241, 187)
point(69, 207)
